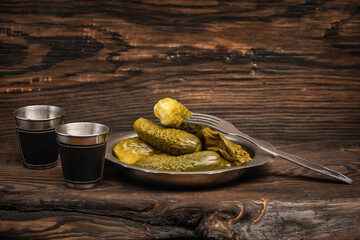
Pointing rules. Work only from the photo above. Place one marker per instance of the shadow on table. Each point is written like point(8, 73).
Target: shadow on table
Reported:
point(113, 173)
point(263, 174)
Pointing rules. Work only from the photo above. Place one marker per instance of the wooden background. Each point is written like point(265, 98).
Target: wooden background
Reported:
point(283, 71)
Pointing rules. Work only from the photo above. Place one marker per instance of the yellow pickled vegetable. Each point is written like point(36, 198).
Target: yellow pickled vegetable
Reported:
point(170, 112)
point(132, 149)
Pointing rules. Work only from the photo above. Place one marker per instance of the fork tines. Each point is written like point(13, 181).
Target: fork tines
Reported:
point(203, 119)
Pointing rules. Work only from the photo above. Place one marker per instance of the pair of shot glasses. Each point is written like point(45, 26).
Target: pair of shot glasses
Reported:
point(43, 136)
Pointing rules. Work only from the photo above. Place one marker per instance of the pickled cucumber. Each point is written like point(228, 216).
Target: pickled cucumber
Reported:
point(199, 161)
point(225, 164)
point(231, 151)
point(132, 149)
point(170, 112)
point(169, 140)
point(191, 128)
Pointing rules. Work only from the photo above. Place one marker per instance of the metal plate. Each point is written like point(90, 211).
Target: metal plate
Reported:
point(187, 179)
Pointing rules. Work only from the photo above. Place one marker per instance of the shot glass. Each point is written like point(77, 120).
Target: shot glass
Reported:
point(82, 148)
point(35, 127)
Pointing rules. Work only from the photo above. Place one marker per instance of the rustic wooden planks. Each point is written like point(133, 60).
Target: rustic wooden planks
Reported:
point(283, 71)
point(271, 67)
point(277, 200)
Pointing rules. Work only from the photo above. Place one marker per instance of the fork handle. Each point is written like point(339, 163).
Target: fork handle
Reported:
point(297, 160)
point(311, 165)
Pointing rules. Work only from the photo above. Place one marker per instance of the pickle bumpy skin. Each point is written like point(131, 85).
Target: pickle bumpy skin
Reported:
point(169, 140)
point(198, 161)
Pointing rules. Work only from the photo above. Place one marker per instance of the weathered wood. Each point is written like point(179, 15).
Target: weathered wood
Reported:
point(243, 220)
point(283, 71)
point(246, 61)
point(279, 200)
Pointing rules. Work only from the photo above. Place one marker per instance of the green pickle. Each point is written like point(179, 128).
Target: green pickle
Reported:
point(177, 147)
point(231, 151)
point(169, 140)
point(192, 128)
point(225, 164)
point(198, 161)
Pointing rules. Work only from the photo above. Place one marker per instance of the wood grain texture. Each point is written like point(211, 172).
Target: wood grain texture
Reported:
point(283, 71)
point(278, 200)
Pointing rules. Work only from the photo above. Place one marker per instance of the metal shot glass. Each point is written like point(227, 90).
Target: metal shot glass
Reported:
point(82, 148)
point(35, 127)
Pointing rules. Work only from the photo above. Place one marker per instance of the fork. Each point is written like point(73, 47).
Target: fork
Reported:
point(226, 127)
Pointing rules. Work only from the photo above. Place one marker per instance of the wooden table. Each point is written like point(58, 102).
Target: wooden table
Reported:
point(284, 72)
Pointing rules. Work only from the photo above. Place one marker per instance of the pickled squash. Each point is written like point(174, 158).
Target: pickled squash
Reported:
point(170, 112)
point(199, 161)
point(169, 140)
point(132, 149)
